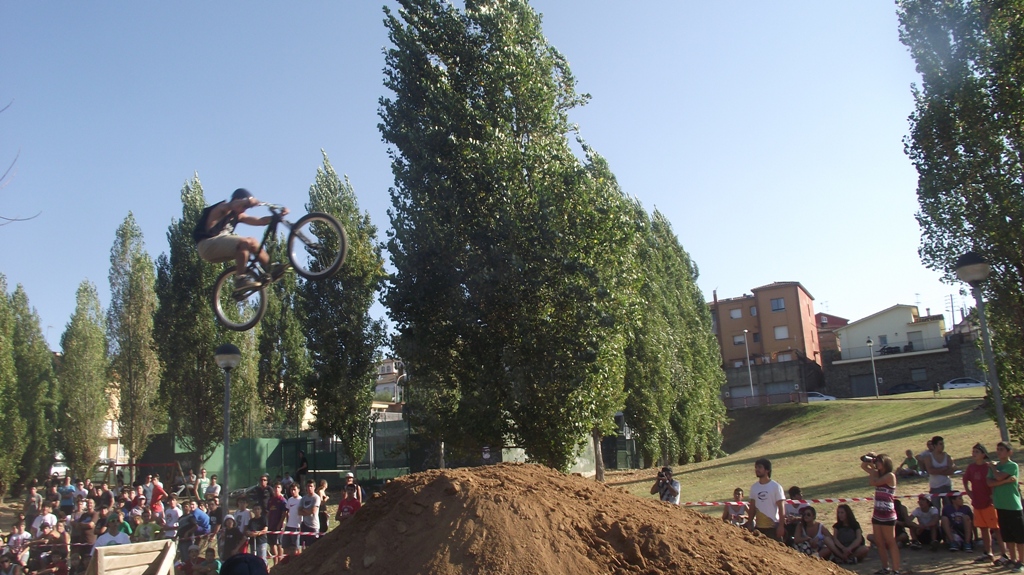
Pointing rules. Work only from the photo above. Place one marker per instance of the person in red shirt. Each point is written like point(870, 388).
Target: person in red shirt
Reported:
point(976, 487)
point(349, 505)
point(159, 495)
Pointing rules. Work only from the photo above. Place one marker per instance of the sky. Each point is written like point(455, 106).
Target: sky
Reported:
point(769, 134)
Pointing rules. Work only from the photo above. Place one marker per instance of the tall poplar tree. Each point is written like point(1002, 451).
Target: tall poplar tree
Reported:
point(134, 365)
point(191, 386)
point(12, 426)
point(284, 366)
point(37, 393)
point(511, 280)
point(967, 141)
point(83, 383)
point(343, 340)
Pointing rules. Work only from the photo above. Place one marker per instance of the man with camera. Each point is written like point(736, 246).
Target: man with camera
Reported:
point(666, 487)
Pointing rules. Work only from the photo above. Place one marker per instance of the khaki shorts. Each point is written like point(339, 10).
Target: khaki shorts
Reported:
point(986, 518)
point(219, 248)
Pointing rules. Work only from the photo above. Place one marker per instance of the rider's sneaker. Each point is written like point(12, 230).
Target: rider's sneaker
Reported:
point(246, 282)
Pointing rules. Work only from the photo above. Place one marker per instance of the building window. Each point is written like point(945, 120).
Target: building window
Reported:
point(737, 340)
point(778, 304)
point(753, 311)
point(782, 332)
point(918, 374)
point(737, 364)
point(784, 357)
point(736, 313)
point(757, 337)
point(883, 340)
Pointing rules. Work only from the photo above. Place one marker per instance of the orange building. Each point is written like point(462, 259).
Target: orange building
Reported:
point(776, 321)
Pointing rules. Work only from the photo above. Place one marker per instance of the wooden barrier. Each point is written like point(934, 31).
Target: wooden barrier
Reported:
point(149, 558)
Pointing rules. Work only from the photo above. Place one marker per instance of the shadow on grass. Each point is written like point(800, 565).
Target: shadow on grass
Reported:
point(934, 422)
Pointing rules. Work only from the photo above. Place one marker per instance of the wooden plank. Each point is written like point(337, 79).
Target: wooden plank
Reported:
point(119, 562)
point(165, 564)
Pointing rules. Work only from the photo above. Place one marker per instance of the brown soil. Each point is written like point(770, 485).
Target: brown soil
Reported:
point(519, 519)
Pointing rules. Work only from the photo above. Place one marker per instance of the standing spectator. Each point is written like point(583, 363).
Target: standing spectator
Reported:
point(52, 495)
point(190, 481)
point(925, 524)
point(847, 542)
point(33, 503)
point(287, 482)
point(242, 514)
point(883, 516)
point(157, 497)
point(262, 493)
point(172, 517)
point(46, 516)
point(1002, 478)
point(666, 487)
point(292, 518)
point(200, 484)
point(736, 512)
point(148, 530)
point(113, 536)
point(976, 487)
point(958, 523)
point(106, 497)
point(147, 487)
point(67, 496)
point(216, 513)
point(310, 513)
point(940, 467)
point(233, 539)
point(350, 479)
point(767, 501)
point(348, 505)
point(257, 532)
point(321, 492)
point(18, 543)
point(82, 489)
point(302, 468)
point(8, 566)
point(277, 508)
point(213, 490)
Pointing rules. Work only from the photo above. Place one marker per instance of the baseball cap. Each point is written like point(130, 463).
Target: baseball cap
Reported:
point(349, 474)
point(982, 449)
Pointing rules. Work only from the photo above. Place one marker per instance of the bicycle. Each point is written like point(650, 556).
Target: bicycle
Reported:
point(319, 235)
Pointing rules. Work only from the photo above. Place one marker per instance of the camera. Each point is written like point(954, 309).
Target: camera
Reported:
point(661, 475)
point(867, 458)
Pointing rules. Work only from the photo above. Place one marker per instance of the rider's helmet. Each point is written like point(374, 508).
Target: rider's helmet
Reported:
point(240, 193)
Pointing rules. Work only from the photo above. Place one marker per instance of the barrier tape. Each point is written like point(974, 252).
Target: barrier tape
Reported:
point(822, 500)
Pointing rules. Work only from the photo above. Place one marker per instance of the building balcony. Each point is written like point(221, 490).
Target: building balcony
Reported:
point(893, 347)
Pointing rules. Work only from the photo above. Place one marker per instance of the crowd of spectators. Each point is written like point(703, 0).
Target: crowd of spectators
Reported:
point(63, 520)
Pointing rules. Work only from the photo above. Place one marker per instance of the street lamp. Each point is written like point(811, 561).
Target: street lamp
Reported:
point(871, 352)
point(227, 357)
point(750, 374)
point(972, 269)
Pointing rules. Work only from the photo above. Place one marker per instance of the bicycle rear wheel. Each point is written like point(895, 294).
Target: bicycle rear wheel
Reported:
point(324, 243)
point(237, 310)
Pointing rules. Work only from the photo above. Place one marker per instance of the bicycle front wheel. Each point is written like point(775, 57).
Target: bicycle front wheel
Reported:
point(317, 246)
point(237, 309)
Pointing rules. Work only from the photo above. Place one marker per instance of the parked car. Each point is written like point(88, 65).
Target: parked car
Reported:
point(904, 388)
point(815, 396)
point(961, 382)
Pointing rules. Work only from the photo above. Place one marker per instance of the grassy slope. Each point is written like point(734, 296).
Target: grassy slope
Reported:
point(817, 446)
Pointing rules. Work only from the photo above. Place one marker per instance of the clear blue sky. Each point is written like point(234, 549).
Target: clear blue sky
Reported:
point(723, 115)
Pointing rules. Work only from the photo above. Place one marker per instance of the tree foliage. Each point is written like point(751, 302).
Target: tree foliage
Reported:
point(37, 393)
point(343, 340)
point(134, 365)
point(966, 141)
point(83, 383)
point(513, 274)
point(12, 426)
point(191, 386)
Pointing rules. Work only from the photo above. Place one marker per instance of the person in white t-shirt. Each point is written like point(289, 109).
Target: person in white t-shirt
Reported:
point(172, 516)
point(292, 518)
point(310, 513)
point(242, 514)
point(767, 502)
point(113, 536)
point(45, 516)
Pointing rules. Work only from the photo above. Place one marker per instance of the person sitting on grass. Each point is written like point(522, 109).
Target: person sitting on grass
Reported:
point(924, 529)
point(793, 515)
point(958, 523)
point(736, 511)
point(910, 467)
point(847, 541)
point(810, 536)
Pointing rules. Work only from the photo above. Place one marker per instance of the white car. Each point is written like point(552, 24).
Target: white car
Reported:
point(962, 382)
point(815, 396)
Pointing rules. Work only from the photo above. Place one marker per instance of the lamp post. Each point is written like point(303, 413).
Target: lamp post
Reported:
point(750, 374)
point(972, 269)
point(227, 357)
point(874, 375)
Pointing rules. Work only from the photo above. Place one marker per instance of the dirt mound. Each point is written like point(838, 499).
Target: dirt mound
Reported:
point(519, 519)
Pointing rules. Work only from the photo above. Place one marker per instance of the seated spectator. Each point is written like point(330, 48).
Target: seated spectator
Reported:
point(924, 528)
point(192, 564)
point(736, 512)
point(811, 536)
point(210, 565)
point(847, 541)
point(958, 523)
point(910, 467)
point(8, 565)
point(793, 516)
point(902, 523)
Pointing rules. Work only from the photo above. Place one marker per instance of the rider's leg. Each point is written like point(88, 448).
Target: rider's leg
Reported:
point(245, 247)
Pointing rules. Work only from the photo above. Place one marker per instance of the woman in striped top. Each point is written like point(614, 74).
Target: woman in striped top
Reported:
point(883, 518)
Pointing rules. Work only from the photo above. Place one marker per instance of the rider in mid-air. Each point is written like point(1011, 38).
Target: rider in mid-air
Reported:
point(216, 241)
